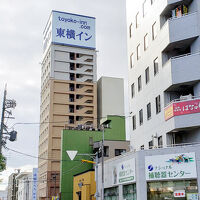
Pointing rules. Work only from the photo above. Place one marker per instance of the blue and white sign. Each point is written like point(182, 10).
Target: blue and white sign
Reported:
point(71, 29)
point(35, 181)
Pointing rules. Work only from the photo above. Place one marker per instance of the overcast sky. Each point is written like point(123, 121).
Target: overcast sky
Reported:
point(22, 24)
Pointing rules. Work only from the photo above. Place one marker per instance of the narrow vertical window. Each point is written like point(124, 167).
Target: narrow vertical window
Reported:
point(131, 30)
point(141, 117)
point(132, 60)
point(155, 64)
point(137, 20)
point(146, 42)
point(158, 104)
point(154, 31)
point(148, 111)
point(132, 90)
point(134, 122)
point(151, 144)
point(139, 83)
point(160, 142)
point(138, 52)
point(147, 76)
point(145, 7)
point(152, 1)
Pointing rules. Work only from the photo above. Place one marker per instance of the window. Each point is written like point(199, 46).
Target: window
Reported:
point(148, 111)
point(141, 116)
point(152, 1)
point(160, 142)
point(131, 30)
point(151, 144)
point(137, 20)
point(154, 31)
point(138, 52)
point(145, 7)
point(132, 60)
point(146, 41)
point(132, 90)
point(134, 122)
point(158, 105)
point(106, 151)
point(147, 78)
point(155, 64)
point(139, 83)
point(119, 152)
point(142, 147)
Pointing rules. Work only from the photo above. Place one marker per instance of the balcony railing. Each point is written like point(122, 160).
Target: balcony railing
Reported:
point(183, 106)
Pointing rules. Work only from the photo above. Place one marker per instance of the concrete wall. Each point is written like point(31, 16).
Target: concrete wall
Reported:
point(110, 97)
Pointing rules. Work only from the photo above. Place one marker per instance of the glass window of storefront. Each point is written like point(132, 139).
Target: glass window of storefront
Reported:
point(165, 189)
point(111, 193)
point(129, 192)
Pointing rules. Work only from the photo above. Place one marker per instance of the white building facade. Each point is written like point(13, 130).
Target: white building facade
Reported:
point(27, 185)
point(164, 73)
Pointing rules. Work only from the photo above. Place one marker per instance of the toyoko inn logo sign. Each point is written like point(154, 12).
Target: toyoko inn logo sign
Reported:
point(171, 166)
point(70, 29)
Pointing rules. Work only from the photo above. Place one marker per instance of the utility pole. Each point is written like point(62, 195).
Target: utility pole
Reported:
point(8, 104)
point(102, 152)
point(2, 118)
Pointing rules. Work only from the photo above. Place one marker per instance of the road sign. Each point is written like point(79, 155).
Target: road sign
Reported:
point(72, 154)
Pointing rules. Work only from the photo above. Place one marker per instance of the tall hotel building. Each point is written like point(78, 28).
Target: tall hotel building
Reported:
point(164, 72)
point(68, 90)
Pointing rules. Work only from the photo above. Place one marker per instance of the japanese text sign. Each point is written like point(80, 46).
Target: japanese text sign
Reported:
point(170, 166)
point(182, 108)
point(35, 181)
point(70, 29)
point(124, 172)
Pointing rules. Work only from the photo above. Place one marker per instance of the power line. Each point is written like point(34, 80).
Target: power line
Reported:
point(39, 123)
point(37, 157)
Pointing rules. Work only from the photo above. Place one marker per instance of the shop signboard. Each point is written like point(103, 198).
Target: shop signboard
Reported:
point(124, 172)
point(192, 196)
point(35, 183)
point(182, 108)
point(170, 166)
point(179, 193)
point(70, 29)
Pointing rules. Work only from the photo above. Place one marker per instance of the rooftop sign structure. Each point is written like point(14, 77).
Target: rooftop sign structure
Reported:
point(69, 29)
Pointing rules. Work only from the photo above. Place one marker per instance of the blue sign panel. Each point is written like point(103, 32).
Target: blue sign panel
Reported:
point(73, 30)
point(35, 181)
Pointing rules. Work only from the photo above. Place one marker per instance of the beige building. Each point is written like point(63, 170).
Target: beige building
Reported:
point(110, 97)
point(68, 99)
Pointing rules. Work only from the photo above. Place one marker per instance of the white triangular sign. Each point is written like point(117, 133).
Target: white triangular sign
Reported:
point(72, 154)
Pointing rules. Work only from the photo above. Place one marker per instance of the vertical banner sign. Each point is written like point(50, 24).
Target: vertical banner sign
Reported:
point(170, 166)
point(74, 30)
point(124, 172)
point(35, 181)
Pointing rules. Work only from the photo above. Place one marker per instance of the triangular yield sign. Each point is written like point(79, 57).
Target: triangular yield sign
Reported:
point(72, 154)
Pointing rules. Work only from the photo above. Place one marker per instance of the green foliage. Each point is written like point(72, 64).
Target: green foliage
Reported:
point(2, 163)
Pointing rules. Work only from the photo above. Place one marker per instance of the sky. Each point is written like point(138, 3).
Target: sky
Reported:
point(22, 24)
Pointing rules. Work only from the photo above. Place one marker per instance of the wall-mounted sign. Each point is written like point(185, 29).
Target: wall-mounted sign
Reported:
point(35, 183)
point(179, 193)
point(124, 172)
point(70, 29)
point(170, 166)
point(192, 196)
point(182, 108)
